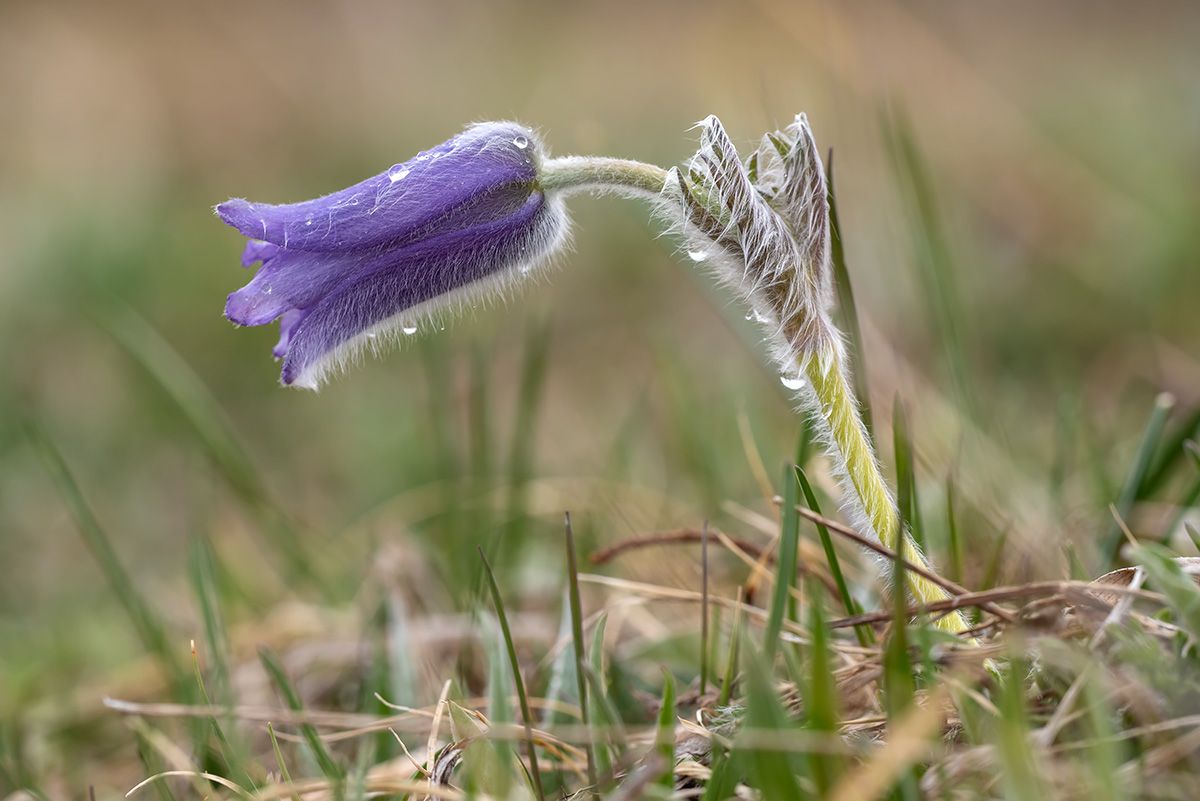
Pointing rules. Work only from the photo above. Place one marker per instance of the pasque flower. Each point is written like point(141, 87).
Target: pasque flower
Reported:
point(347, 269)
point(470, 214)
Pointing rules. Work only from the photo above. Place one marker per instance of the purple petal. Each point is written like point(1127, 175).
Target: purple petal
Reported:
point(374, 293)
point(258, 251)
point(473, 177)
point(293, 279)
point(287, 325)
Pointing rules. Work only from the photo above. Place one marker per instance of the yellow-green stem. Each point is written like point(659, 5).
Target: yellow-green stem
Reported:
point(836, 405)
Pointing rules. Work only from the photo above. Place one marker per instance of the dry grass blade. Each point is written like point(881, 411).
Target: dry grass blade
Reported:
point(193, 774)
point(908, 741)
point(871, 545)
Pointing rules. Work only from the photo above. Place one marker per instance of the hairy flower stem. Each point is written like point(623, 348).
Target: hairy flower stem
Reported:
point(831, 397)
point(582, 173)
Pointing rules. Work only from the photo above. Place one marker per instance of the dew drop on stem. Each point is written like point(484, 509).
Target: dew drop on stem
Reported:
point(791, 380)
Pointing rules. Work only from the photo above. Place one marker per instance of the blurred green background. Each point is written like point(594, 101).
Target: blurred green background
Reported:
point(1027, 286)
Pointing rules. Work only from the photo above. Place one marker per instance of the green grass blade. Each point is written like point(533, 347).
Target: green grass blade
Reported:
point(202, 572)
point(524, 439)
point(1137, 471)
point(1165, 574)
point(498, 757)
point(957, 562)
point(1170, 454)
point(804, 443)
point(935, 259)
point(356, 784)
point(864, 633)
point(899, 685)
point(562, 684)
point(992, 573)
point(771, 770)
point(150, 629)
point(722, 783)
point(848, 312)
point(1019, 770)
point(785, 574)
point(603, 714)
point(1105, 758)
point(515, 665)
point(212, 430)
point(577, 640)
point(664, 738)
point(152, 763)
point(235, 760)
point(284, 773)
point(325, 760)
point(704, 606)
point(196, 404)
point(906, 474)
point(733, 657)
point(821, 700)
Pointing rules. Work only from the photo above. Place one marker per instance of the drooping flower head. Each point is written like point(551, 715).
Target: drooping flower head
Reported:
point(350, 268)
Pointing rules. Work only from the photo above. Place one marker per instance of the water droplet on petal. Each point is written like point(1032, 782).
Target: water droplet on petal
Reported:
point(697, 255)
point(372, 335)
point(521, 142)
point(409, 329)
point(308, 221)
point(397, 173)
point(791, 381)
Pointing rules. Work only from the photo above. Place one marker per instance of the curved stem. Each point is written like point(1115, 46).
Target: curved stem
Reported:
point(576, 173)
point(834, 396)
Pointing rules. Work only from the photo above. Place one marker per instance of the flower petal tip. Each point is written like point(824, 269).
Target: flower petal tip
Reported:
point(249, 307)
point(299, 379)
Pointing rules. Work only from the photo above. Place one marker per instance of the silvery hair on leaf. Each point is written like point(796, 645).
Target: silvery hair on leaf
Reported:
point(765, 226)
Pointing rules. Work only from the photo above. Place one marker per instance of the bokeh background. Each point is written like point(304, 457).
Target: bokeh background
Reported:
point(1018, 192)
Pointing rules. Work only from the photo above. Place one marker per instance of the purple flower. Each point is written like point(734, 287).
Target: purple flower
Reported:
point(352, 267)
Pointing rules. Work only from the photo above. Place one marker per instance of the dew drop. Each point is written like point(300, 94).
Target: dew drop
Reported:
point(372, 335)
point(791, 381)
point(397, 173)
point(521, 142)
point(308, 221)
point(697, 255)
point(409, 329)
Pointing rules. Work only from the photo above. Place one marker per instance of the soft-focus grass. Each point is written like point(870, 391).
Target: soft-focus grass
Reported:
point(1017, 204)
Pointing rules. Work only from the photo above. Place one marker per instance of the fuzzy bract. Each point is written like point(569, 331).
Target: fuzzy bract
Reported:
point(349, 269)
point(767, 233)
